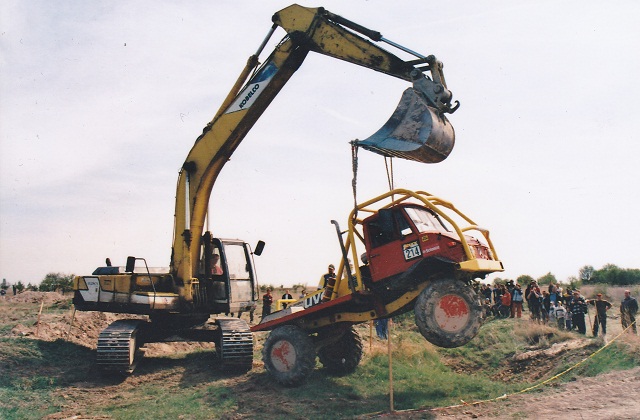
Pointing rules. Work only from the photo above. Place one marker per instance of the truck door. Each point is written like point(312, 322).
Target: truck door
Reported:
point(392, 246)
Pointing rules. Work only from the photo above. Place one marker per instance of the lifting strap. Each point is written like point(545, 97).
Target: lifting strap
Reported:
point(354, 180)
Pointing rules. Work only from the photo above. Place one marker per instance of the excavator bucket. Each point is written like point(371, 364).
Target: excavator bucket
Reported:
point(415, 131)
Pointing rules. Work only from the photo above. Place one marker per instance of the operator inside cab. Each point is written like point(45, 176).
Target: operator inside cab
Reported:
point(216, 269)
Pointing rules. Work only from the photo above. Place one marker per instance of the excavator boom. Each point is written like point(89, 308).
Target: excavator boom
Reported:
point(418, 130)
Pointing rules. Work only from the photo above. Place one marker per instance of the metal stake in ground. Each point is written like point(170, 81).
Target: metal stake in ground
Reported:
point(73, 317)
point(39, 313)
point(391, 409)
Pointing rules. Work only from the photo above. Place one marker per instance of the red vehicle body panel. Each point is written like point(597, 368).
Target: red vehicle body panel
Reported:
point(395, 245)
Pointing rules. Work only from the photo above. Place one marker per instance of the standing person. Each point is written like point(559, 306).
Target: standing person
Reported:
point(487, 292)
point(527, 292)
point(628, 311)
point(510, 288)
point(267, 300)
point(553, 294)
point(578, 308)
point(382, 326)
point(516, 302)
point(602, 306)
point(535, 303)
point(546, 307)
point(286, 295)
point(326, 278)
point(505, 309)
point(497, 294)
point(560, 315)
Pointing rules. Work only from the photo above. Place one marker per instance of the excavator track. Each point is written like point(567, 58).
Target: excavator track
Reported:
point(118, 346)
point(235, 344)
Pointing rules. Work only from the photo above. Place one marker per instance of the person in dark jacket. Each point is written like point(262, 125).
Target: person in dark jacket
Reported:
point(602, 306)
point(267, 300)
point(628, 311)
point(578, 308)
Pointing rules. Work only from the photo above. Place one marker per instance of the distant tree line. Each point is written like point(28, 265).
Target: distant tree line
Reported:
point(52, 282)
point(609, 274)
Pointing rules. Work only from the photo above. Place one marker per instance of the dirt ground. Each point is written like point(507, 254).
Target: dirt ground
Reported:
point(610, 396)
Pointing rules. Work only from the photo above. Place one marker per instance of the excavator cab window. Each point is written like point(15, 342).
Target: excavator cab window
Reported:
point(239, 269)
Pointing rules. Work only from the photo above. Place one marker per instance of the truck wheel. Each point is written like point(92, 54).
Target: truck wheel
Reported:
point(447, 313)
point(289, 355)
point(343, 356)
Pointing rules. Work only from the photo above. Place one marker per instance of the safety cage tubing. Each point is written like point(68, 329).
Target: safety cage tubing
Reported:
point(438, 206)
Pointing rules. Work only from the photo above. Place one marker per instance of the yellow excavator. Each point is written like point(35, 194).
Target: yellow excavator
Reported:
point(212, 276)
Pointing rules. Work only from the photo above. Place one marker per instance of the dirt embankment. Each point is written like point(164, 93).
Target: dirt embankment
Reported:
point(614, 395)
point(81, 328)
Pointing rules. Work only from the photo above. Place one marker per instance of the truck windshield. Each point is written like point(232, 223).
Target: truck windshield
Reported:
point(425, 221)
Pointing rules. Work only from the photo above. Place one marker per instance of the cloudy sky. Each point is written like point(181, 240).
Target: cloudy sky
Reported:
point(101, 101)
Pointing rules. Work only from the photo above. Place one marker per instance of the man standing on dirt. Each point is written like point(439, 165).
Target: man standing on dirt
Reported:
point(578, 308)
point(628, 311)
point(267, 300)
point(516, 302)
point(286, 296)
point(602, 306)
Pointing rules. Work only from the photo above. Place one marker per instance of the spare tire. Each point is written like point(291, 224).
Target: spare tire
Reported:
point(448, 313)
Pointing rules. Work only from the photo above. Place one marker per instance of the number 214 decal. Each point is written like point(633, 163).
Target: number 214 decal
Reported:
point(411, 250)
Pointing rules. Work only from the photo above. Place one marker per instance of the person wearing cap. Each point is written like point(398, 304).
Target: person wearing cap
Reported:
point(578, 308)
point(324, 279)
point(602, 306)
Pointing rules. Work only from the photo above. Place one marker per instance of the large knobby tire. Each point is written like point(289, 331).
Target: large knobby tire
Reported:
point(343, 356)
point(289, 355)
point(447, 313)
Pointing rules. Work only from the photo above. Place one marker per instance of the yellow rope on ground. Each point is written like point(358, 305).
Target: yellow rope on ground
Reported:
point(505, 396)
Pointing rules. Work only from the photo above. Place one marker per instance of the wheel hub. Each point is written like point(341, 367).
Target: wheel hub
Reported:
point(283, 356)
point(452, 313)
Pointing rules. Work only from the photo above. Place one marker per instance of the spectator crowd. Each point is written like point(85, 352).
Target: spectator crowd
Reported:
point(566, 309)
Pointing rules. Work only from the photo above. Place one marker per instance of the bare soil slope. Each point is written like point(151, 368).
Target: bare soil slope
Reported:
point(611, 396)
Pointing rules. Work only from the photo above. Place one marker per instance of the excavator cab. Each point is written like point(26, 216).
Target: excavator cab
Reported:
point(227, 280)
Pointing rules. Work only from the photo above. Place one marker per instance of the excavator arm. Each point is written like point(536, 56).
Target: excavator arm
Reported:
point(317, 30)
